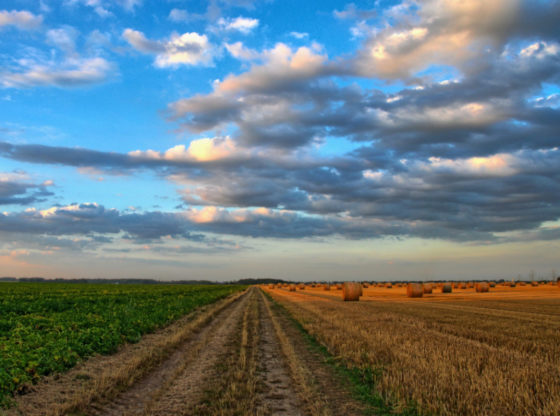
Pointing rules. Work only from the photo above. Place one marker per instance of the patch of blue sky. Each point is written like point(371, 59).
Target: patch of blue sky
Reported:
point(142, 190)
point(332, 146)
point(440, 73)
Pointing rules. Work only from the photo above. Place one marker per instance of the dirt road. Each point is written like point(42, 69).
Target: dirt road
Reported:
point(242, 356)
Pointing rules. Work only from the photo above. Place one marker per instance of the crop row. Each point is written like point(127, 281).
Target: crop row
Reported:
point(48, 327)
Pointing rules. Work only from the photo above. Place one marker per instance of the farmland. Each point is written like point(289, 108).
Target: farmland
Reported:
point(301, 350)
point(48, 328)
point(458, 353)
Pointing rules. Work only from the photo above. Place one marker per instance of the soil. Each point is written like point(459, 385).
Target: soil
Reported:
point(240, 356)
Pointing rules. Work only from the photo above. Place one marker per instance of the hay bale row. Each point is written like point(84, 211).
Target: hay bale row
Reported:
point(351, 291)
point(414, 290)
point(446, 288)
point(482, 287)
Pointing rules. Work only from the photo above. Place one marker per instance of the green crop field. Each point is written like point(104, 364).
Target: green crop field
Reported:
point(49, 327)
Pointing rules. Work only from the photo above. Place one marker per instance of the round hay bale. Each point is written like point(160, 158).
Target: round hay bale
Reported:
point(522, 284)
point(427, 287)
point(351, 291)
point(365, 285)
point(292, 288)
point(414, 290)
point(301, 286)
point(512, 284)
point(534, 284)
point(327, 287)
point(389, 286)
point(338, 286)
point(271, 286)
point(446, 288)
point(482, 287)
point(492, 284)
point(462, 285)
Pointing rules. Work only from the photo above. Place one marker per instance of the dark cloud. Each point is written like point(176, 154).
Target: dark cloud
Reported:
point(17, 192)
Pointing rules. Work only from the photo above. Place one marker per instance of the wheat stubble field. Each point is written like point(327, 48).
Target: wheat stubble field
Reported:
point(287, 351)
point(467, 353)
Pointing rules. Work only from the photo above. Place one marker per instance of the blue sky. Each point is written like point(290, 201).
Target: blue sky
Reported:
point(375, 140)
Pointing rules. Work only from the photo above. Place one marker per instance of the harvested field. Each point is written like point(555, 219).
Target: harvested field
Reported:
point(468, 353)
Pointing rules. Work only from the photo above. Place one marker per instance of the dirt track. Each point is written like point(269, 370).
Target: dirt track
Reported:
point(245, 357)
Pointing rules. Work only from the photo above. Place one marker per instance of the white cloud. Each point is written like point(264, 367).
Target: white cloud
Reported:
point(239, 51)
point(102, 7)
point(186, 49)
point(495, 165)
point(182, 15)
point(199, 150)
point(281, 64)
point(240, 24)
point(299, 35)
point(540, 50)
point(435, 32)
point(178, 15)
point(20, 19)
point(63, 38)
point(140, 43)
point(73, 72)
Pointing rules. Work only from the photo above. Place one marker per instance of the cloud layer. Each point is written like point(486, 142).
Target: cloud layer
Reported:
point(442, 123)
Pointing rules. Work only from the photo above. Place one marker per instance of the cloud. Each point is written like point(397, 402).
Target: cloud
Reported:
point(444, 32)
point(244, 25)
point(186, 49)
point(352, 12)
point(463, 148)
point(255, 100)
point(200, 150)
point(240, 51)
point(73, 72)
point(15, 189)
point(181, 15)
point(63, 38)
point(22, 19)
point(103, 7)
point(462, 199)
point(299, 35)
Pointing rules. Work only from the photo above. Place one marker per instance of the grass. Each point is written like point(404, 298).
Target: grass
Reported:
point(468, 357)
point(362, 381)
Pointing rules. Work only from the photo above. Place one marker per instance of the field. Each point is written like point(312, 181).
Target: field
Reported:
point(48, 328)
point(460, 353)
point(266, 350)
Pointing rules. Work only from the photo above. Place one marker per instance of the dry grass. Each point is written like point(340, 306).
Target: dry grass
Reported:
point(234, 392)
point(494, 353)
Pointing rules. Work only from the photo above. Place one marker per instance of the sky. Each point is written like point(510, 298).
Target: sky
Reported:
point(226, 139)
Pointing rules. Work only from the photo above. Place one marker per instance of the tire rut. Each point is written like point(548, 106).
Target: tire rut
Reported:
point(179, 379)
point(279, 392)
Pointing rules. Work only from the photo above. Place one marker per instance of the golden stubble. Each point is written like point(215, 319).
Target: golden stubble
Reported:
point(470, 354)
